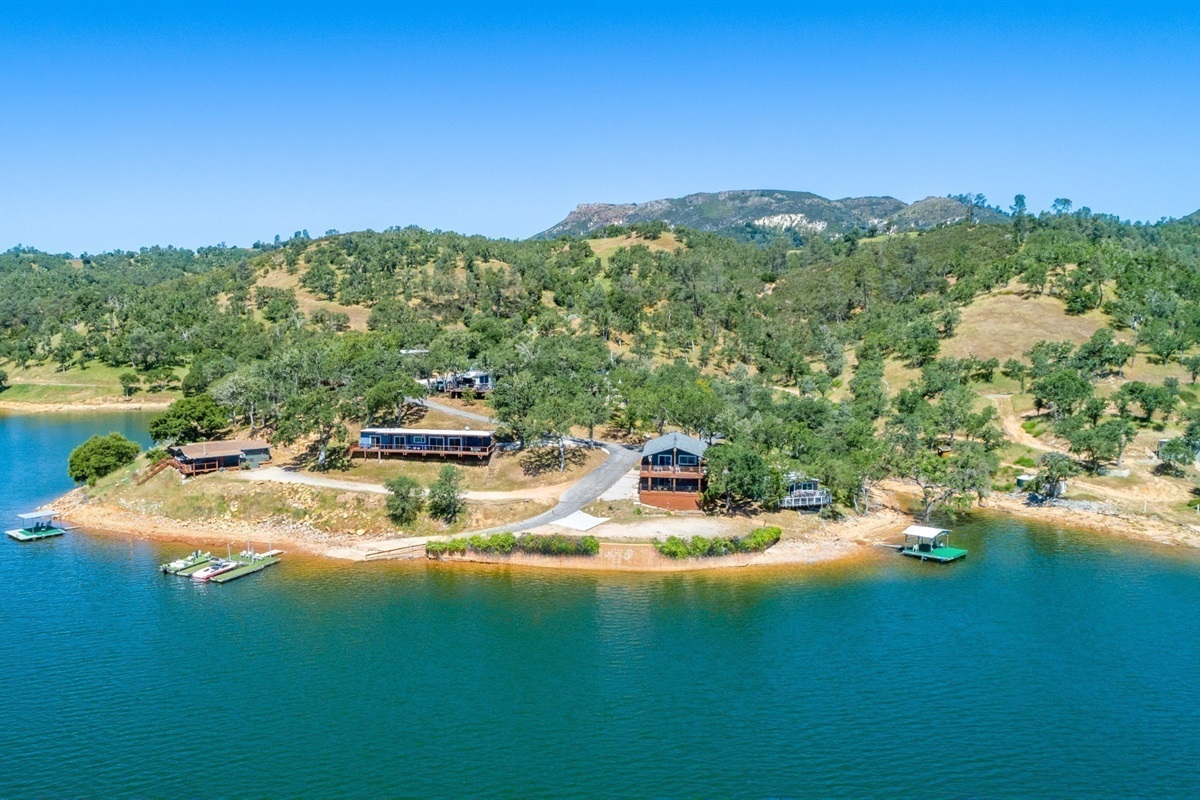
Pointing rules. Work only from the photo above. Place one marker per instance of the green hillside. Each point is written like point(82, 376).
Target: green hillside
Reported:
point(851, 359)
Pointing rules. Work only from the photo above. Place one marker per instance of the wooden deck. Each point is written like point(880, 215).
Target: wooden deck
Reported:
point(444, 451)
point(672, 501)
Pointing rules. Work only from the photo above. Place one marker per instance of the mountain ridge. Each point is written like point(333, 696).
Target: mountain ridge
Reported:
point(749, 211)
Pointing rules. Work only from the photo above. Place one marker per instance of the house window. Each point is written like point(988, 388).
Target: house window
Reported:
point(687, 461)
point(418, 440)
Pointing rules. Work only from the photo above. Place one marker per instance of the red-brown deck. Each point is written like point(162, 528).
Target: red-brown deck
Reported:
point(444, 451)
point(672, 501)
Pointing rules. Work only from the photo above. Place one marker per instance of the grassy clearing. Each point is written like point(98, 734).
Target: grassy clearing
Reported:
point(514, 471)
point(226, 498)
point(44, 383)
point(1004, 325)
point(604, 248)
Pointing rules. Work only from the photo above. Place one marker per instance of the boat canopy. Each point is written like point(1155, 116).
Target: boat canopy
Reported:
point(38, 515)
point(923, 532)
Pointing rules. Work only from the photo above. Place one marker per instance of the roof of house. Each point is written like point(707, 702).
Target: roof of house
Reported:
point(427, 432)
point(675, 441)
point(922, 532)
point(223, 449)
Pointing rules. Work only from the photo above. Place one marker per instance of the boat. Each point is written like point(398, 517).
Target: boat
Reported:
point(930, 544)
point(215, 568)
point(196, 558)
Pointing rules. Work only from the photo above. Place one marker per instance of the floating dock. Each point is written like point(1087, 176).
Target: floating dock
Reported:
point(250, 561)
point(40, 525)
point(186, 566)
point(930, 544)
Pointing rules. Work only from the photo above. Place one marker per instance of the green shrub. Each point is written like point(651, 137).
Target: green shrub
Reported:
point(452, 547)
point(99, 456)
point(557, 544)
point(498, 543)
point(156, 454)
point(758, 540)
point(1025, 461)
point(506, 543)
point(703, 547)
point(722, 546)
point(673, 547)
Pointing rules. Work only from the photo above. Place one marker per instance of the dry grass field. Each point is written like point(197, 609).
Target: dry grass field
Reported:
point(604, 248)
point(309, 302)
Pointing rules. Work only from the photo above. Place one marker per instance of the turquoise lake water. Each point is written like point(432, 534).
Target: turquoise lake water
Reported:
point(1048, 664)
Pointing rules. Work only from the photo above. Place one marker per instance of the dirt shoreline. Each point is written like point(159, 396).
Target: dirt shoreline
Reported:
point(625, 546)
point(18, 407)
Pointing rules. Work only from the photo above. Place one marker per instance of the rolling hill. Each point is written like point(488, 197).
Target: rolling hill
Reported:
point(744, 212)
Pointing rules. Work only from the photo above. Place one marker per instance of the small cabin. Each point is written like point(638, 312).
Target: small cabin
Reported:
point(672, 473)
point(805, 494)
point(381, 442)
point(202, 457)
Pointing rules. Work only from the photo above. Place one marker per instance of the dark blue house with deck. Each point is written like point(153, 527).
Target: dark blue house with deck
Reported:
point(382, 442)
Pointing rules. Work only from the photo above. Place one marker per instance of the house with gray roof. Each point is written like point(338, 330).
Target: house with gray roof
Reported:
point(672, 474)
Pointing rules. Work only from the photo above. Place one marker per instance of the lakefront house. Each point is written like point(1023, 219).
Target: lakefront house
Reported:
point(672, 474)
point(203, 457)
point(805, 493)
point(380, 442)
point(455, 383)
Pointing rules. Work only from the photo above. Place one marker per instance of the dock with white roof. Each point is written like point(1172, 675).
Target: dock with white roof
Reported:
point(930, 544)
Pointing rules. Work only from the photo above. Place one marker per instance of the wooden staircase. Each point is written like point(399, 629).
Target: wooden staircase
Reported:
point(146, 474)
point(491, 473)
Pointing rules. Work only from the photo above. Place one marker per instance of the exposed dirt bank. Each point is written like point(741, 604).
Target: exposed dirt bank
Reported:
point(100, 404)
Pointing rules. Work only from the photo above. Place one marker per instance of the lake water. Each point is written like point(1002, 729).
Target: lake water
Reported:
point(1048, 664)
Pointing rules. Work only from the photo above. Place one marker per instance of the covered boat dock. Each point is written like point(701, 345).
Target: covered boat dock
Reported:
point(930, 544)
point(38, 525)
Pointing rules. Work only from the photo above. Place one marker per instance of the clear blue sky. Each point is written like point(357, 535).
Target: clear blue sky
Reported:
point(135, 124)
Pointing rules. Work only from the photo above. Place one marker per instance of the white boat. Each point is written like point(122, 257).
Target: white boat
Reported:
point(217, 566)
point(184, 563)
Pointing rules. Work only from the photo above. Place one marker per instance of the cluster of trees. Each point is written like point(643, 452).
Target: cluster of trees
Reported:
point(444, 500)
point(646, 338)
point(100, 456)
point(1062, 379)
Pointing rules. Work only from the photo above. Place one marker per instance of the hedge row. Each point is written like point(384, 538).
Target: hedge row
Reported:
point(702, 547)
point(505, 543)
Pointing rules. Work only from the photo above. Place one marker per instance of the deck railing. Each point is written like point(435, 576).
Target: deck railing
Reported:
point(807, 498)
point(422, 449)
point(675, 471)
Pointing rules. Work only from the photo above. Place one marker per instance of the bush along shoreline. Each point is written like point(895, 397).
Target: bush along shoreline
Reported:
point(503, 544)
point(702, 547)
